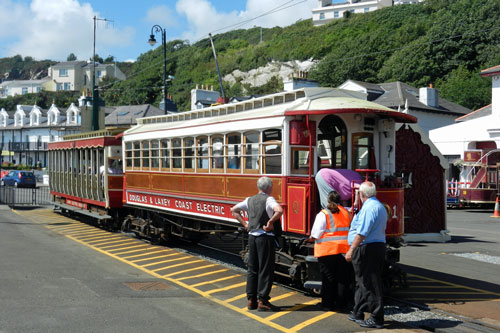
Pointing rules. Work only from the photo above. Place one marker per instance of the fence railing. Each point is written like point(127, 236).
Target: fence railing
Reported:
point(13, 196)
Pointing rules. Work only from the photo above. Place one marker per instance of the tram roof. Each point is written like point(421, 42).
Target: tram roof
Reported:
point(100, 138)
point(271, 109)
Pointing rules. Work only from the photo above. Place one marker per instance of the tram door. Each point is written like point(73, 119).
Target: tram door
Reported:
point(332, 143)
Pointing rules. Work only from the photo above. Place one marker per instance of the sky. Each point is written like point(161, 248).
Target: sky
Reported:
point(52, 29)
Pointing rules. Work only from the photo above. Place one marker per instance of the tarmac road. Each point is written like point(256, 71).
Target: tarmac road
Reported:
point(461, 276)
point(51, 284)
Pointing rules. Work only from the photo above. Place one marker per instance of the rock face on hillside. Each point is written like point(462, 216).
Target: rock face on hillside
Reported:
point(260, 76)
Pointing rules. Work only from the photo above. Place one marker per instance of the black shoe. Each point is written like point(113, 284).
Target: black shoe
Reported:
point(355, 317)
point(370, 323)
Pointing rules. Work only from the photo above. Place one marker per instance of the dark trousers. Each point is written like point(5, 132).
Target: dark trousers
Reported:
point(368, 262)
point(260, 266)
point(336, 281)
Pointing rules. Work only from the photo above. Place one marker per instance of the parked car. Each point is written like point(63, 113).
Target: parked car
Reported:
point(19, 178)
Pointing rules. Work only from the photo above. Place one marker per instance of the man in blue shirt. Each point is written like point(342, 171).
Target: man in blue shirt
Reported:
point(367, 253)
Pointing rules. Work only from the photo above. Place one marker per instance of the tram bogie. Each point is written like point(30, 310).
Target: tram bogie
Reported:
point(182, 173)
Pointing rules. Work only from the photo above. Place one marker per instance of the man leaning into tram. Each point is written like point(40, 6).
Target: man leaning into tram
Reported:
point(263, 213)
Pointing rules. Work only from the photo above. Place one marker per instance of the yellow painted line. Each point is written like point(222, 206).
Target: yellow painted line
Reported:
point(130, 247)
point(216, 280)
point(295, 308)
point(235, 298)
point(213, 291)
point(91, 239)
point(68, 227)
point(145, 254)
point(118, 244)
point(79, 232)
point(177, 265)
point(157, 257)
point(311, 321)
point(458, 285)
point(99, 243)
point(198, 275)
point(277, 298)
point(144, 248)
point(93, 233)
point(164, 261)
point(186, 286)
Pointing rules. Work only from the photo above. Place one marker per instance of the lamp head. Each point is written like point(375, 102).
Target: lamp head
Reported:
point(152, 40)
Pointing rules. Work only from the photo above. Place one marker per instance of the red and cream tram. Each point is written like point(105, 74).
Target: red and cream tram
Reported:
point(85, 172)
point(183, 172)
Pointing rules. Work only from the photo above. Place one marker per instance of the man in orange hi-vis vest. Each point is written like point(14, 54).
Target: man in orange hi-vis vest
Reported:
point(329, 234)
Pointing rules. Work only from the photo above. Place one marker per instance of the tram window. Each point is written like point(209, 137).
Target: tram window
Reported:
point(272, 151)
point(155, 155)
point(202, 154)
point(165, 154)
point(189, 154)
point(137, 156)
point(332, 142)
point(128, 156)
point(233, 152)
point(300, 161)
point(176, 154)
point(217, 154)
point(145, 155)
point(361, 145)
point(251, 153)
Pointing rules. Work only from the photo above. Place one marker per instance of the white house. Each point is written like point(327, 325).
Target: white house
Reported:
point(476, 130)
point(25, 132)
point(328, 11)
point(21, 87)
point(424, 103)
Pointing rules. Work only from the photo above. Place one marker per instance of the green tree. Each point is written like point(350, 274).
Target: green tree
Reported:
point(71, 57)
point(466, 88)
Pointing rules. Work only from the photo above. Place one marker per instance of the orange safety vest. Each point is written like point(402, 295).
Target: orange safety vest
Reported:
point(334, 240)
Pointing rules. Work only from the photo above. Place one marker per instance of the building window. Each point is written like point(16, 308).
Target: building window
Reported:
point(63, 72)
point(67, 86)
point(99, 73)
point(336, 14)
point(59, 87)
point(37, 89)
point(367, 10)
point(322, 16)
point(25, 90)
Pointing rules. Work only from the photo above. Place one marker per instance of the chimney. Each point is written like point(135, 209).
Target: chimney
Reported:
point(429, 96)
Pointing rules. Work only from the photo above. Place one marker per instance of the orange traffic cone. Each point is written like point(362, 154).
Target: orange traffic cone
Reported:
point(496, 212)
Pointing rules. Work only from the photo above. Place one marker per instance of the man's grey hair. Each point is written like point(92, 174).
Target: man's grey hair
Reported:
point(264, 183)
point(368, 189)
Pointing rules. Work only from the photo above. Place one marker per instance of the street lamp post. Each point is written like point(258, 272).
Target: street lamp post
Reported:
point(152, 41)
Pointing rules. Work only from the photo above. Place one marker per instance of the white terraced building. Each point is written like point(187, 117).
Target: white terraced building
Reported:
point(328, 11)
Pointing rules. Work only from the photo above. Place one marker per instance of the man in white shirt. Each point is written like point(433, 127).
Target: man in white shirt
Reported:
point(263, 212)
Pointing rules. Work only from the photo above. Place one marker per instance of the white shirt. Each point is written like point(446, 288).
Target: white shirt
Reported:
point(270, 204)
point(319, 226)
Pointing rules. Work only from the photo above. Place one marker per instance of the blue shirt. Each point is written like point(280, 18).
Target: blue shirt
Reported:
point(370, 222)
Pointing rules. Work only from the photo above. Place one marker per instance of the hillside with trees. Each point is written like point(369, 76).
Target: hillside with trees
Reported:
point(443, 42)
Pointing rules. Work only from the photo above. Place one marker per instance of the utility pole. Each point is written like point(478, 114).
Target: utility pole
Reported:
point(95, 92)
